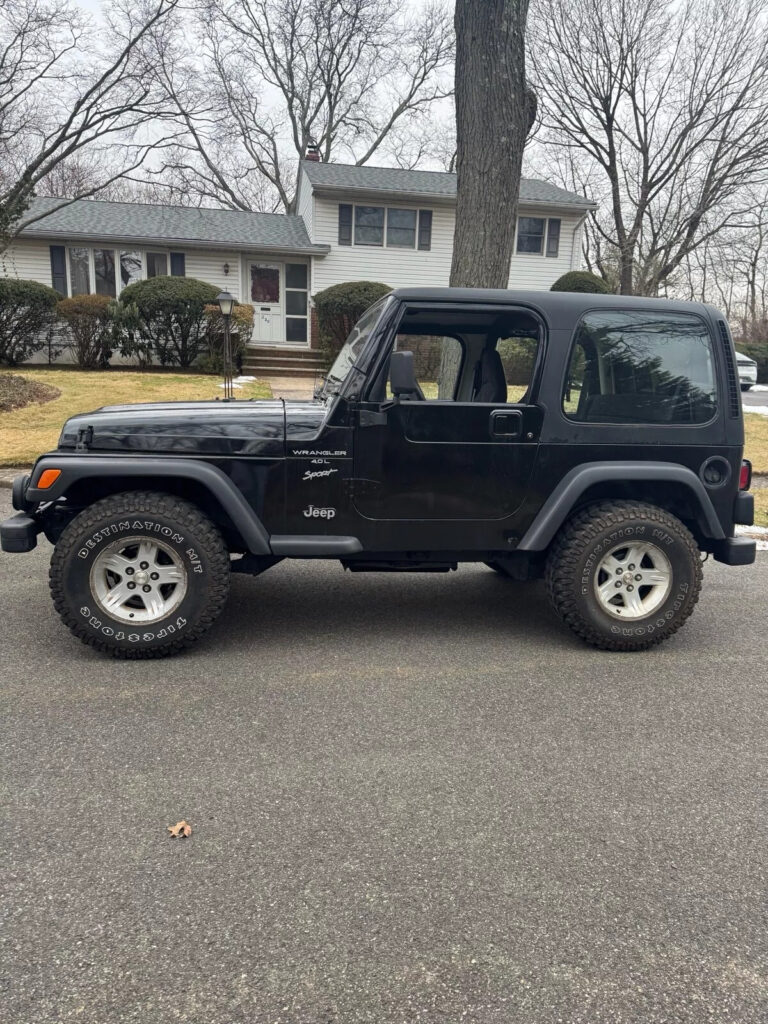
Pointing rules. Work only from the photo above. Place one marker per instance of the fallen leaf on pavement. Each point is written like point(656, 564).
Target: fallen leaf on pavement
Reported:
point(180, 830)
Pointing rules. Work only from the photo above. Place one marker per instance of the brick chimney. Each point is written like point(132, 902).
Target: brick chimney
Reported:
point(313, 152)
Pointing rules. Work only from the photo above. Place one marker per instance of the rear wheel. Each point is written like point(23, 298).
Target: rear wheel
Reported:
point(624, 575)
point(140, 574)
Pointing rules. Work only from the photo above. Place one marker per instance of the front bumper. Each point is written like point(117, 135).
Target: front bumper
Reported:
point(19, 533)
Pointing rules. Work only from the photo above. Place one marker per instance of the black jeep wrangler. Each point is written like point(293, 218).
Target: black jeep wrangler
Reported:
point(592, 440)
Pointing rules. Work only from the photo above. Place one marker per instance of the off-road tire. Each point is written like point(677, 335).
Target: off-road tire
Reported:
point(164, 518)
point(576, 554)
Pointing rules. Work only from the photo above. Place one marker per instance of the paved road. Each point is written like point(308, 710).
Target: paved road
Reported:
point(415, 798)
point(753, 398)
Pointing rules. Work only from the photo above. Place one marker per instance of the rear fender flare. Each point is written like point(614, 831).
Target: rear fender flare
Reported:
point(561, 501)
point(216, 482)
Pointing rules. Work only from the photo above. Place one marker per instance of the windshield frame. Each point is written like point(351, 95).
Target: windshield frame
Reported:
point(333, 386)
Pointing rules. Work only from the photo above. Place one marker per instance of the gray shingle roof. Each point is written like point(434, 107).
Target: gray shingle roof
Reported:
point(97, 220)
point(339, 177)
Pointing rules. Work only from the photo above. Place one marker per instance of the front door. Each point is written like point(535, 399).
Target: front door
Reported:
point(266, 284)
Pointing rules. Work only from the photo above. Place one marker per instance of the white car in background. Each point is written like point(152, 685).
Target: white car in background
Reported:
point(747, 369)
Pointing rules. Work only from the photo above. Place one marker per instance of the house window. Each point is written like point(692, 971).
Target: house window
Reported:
point(401, 228)
point(104, 271)
point(537, 235)
point(296, 299)
point(130, 268)
point(369, 225)
point(393, 227)
point(79, 271)
point(157, 264)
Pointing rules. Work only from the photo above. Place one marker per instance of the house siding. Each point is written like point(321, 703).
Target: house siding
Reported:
point(398, 268)
point(305, 204)
point(401, 268)
point(209, 267)
point(28, 261)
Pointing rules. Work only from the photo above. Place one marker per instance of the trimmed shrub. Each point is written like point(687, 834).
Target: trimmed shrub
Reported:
point(339, 308)
point(169, 322)
point(580, 281)
point(89, 329)
point(27, 319)
point(241, 328)
point(518, 356)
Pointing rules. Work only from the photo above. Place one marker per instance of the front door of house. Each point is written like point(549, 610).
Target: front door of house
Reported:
point(266, 284)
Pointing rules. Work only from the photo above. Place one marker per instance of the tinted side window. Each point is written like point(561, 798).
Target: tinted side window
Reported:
point(628, 366)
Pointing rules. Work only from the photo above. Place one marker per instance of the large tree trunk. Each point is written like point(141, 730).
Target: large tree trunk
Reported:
point(495, 110)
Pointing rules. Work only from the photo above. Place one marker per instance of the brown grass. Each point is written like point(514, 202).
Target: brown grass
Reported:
point(756, 445)
point(28, 432)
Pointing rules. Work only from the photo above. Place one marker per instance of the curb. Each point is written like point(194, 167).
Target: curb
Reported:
point(7, 476)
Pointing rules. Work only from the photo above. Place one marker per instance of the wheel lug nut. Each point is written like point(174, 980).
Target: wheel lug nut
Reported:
point(629, 587)
point(144, 565)
point(630, 566)
point(638, 577)
point(131, 586)
point(146, 588)
point(618, 572)
point(618, 583)
point(156, 576)
point(130, 570)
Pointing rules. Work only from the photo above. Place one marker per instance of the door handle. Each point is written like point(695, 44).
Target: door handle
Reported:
point(506, 423)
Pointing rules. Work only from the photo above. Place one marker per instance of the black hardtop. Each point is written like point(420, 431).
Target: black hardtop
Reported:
point(562, 302)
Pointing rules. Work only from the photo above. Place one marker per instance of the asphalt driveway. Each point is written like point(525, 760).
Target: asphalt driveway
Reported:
point(414, 798)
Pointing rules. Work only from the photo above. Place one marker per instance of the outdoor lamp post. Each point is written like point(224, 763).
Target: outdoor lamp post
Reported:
point(226, 302)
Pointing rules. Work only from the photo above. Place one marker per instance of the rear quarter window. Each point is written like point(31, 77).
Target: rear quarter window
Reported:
point(629, 366)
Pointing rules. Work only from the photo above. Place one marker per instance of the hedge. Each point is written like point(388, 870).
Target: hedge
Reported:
point(89, 329)
point(163, 320)
point(338, 309)
point(27, 319)
point(580, 281)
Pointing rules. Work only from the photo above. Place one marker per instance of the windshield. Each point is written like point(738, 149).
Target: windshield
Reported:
point(353, 347)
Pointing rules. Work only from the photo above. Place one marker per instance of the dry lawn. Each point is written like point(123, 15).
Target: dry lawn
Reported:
point(28, 432)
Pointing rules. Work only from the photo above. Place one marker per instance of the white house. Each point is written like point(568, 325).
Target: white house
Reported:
point(352, 223)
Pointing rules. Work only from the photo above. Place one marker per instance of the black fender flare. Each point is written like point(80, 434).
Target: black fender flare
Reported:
point(75, 468)
point(557, 507)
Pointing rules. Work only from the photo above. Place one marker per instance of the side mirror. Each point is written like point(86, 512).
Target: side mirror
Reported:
point(402, 376)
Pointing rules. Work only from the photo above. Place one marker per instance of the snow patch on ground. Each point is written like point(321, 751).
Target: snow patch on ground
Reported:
point(760, 534)
point(761, 410)
point(759, 387)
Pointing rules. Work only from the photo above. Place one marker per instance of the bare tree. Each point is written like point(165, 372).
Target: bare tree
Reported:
point(272, 77)
point(62, 96)
point(668, 104)
point(495, 110)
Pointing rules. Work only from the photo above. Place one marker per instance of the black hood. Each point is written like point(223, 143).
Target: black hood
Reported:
point(188, 428)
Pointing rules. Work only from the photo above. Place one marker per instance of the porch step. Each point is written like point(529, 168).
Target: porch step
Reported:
point(283, 362)
point(276, 370)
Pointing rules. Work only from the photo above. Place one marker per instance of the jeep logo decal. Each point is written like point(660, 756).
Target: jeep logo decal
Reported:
point(319, 513)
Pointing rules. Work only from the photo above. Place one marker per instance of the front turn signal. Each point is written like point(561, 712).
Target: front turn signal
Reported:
point(47, 478)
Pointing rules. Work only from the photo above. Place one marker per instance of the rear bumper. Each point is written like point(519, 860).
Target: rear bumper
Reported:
point(19, 533)
point(735, 551)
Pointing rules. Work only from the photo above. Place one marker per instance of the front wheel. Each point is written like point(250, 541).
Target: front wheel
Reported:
point(624, 575)
point(140, 574)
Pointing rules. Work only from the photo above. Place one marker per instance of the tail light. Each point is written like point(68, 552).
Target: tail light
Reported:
point(745, 476)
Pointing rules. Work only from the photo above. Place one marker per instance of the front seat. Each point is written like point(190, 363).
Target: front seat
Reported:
point(491, 383)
